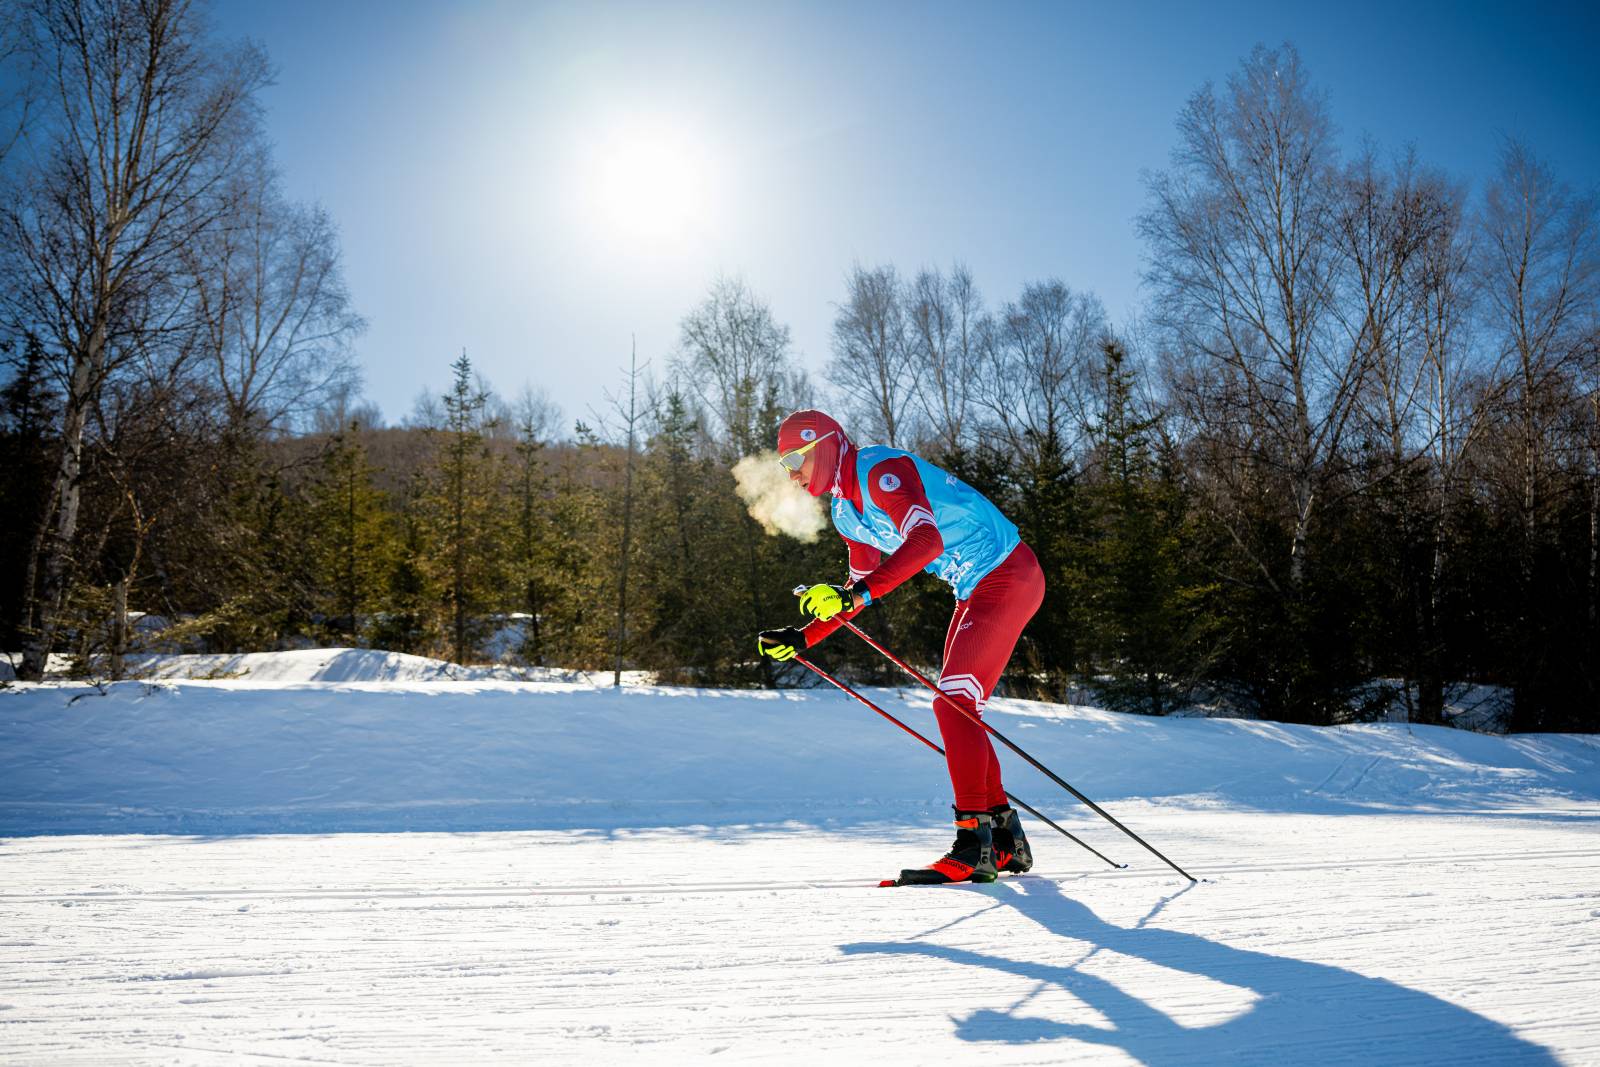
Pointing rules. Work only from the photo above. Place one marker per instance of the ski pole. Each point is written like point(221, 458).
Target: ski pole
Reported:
point(1002, 738)
point(1009, 795)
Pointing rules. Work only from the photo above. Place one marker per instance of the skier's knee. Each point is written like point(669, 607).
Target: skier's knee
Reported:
point(963, 691)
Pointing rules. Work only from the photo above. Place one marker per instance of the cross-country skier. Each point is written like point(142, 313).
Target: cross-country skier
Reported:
point(899, 514)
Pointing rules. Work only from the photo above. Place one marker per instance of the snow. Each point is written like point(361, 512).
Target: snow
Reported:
point(55, 663)
point(351, 857)
point(323, 665)
point(351, 665)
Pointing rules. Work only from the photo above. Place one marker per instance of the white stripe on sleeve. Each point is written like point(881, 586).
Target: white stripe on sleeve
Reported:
point(917, 516)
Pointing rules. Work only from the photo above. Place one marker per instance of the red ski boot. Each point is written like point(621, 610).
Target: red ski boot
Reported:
point(970, 859)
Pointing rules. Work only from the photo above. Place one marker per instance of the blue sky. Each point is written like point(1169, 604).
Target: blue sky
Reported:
point(484, 160)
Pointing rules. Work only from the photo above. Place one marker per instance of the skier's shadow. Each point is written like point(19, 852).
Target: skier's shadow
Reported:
point(1302, 1012)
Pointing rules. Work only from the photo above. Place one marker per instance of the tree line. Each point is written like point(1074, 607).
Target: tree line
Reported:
point(1347, 461)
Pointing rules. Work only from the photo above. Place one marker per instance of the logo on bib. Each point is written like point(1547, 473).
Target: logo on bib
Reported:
point(888, 483)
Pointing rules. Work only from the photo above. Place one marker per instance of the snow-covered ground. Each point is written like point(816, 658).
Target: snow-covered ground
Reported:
point(572, 873)
point(321, 665)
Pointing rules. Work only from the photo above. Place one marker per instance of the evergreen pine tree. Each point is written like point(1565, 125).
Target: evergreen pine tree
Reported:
point(406, 622)
point(1050, 513)
point(28, 411)
point(582, 558)
point(354, 553)
point(460, 515)
point(1141, 609)
point(532, 561)
point(672, 483)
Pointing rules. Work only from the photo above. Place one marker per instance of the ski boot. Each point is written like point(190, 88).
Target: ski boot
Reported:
point(1011, 851)
point(970, 859)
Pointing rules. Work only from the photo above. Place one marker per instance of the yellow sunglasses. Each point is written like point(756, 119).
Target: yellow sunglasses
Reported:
point(793, 461)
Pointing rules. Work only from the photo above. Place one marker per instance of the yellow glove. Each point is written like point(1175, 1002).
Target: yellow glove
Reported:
point(825, 601)
point(784, 644)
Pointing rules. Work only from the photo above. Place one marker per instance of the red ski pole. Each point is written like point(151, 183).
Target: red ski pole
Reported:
point(1010, 796)
point(1003, 739)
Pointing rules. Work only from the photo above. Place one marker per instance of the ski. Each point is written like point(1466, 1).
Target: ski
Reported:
point(896, 883)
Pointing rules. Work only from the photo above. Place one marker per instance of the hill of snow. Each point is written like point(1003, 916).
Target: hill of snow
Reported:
point(340, 740)
point(323, 665)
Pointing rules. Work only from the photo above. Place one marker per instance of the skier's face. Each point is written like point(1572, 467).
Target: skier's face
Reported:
point(802, 476)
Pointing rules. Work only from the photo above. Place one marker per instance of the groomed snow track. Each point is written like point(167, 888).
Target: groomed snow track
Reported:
point(1312, 939)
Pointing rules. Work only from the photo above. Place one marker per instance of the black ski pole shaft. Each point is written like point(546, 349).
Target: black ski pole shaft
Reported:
point(1013, 746)
point(1009, 795)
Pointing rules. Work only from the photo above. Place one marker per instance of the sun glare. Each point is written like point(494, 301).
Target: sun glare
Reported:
point(648, 183)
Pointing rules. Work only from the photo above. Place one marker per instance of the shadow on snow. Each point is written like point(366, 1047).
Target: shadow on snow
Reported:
point(1303, 1012)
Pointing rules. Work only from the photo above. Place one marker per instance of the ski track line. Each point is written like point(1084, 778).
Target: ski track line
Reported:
point(1361, 777)
point(1331, 776)
point(681, 888)
point(236, 1056)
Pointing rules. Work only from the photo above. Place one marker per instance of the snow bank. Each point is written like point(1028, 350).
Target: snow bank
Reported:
point(326, 665)
point(352, 665)
point(332, 740)
point(56, 664)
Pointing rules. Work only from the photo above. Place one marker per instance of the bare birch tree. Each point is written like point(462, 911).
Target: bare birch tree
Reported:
point(1540, 246)
point(1592, 474)
point(1384, 221)
point(1541, 275)
point(1242, 237)
point(147, 119)
point(1459, 380)
point(1406, 304)
point(871, 354)
point(19, 76)
point(1037, 366)
point(948, 332)
point(737, 360)
point(271, 294)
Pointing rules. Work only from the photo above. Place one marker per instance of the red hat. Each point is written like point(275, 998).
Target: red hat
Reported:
point(807, 426)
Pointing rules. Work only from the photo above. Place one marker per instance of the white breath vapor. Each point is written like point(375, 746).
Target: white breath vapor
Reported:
point(779, 505)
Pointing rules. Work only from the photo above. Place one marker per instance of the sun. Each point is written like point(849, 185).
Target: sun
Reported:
point(648, 181)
